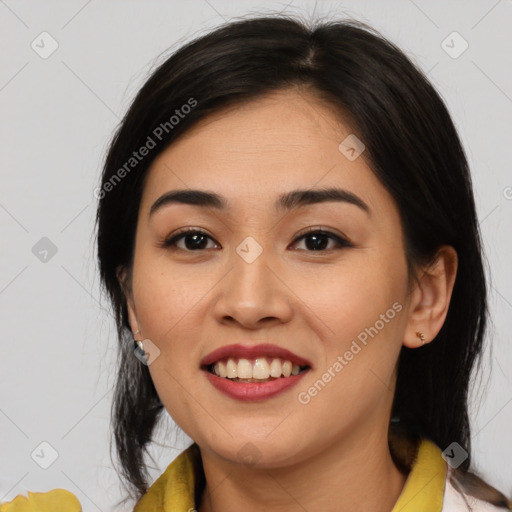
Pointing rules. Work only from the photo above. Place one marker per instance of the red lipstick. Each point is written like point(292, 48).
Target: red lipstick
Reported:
point(253, 391)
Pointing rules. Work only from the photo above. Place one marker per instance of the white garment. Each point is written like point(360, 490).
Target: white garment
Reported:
point(453, 501)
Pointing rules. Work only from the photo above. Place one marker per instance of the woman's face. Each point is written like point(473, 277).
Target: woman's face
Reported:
point(254, 278)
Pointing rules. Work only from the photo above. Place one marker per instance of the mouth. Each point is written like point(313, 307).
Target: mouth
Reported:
point(257, 364)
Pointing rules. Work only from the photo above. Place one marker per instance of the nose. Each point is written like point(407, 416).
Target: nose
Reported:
point(253, 294)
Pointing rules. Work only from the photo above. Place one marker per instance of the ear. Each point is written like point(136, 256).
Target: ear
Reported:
point(430, 297)
point(124, 281)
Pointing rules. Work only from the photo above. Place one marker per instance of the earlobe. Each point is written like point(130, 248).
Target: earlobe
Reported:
point(430, 300)
point(132, 315)
point(123, 280)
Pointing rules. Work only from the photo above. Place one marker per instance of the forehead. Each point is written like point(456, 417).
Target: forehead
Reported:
point(256, 151)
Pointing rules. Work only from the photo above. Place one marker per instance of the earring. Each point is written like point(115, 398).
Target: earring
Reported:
point(139, 346)
point(421, 336)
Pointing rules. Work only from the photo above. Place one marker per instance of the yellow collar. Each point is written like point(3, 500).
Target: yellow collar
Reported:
point(175, 488)
point(424, 488)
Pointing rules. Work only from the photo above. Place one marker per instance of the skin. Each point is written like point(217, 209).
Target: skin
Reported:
point(331, 453)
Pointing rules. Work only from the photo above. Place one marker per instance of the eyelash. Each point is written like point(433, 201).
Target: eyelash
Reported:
point(342, 242)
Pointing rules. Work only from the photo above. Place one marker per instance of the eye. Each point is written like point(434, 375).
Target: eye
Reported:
point(194, 240)
point(319, 238)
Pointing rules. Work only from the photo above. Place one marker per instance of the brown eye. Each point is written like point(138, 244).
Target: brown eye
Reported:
point(194, 240)
point(315, 240)
point(318, 240)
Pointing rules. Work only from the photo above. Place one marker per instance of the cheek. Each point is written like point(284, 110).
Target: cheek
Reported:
point(169, 308)
point(166, 299)
point(361, 348)
point(355, 297)
point(361, 314)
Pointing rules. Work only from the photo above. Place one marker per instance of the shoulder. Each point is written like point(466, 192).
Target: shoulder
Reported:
point(57, 499)
point(454, 501)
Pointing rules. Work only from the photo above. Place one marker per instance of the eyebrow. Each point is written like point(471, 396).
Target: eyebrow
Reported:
point(285, 202)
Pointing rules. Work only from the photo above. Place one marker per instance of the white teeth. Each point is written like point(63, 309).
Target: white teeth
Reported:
point(244, 369)
point(220, 369)
point(275, 368)
point(231, 369)
point(287, 368)
point(260, 369)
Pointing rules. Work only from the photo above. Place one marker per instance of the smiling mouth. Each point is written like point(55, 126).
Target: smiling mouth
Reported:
point(257, 370)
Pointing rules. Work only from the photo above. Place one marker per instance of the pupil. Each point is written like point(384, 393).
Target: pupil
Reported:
point(197, 241)
point(316, 245)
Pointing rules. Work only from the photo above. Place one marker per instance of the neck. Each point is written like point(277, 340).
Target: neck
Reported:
point(355, 474)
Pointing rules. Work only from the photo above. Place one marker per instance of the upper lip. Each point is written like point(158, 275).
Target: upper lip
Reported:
point(251, 352)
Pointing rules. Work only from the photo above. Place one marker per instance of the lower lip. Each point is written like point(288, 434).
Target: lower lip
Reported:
point(252, 391)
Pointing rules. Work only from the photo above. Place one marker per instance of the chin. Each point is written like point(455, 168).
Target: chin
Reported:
point(258, 452)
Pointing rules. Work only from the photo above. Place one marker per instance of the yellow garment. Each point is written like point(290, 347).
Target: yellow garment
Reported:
point(174, 490)
point(58, 500)
point(423, 490)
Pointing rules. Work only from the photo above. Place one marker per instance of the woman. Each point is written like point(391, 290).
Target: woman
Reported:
point(287, 230)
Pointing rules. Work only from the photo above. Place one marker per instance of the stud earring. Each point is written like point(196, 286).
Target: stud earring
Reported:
point(421, 336)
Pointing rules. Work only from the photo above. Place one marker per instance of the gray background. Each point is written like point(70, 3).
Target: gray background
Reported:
point(58, 114)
